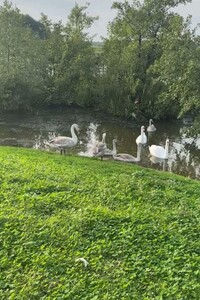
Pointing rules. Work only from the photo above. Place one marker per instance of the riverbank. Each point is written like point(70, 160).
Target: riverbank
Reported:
point(137, 228)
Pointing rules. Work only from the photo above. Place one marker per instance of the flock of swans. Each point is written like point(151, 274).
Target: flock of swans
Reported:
point(100, 149)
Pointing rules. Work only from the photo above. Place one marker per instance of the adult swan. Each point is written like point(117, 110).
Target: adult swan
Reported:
point(142, 138)
point(64, 142)
point(159, 151)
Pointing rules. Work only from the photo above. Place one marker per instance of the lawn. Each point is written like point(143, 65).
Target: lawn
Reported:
point(137, 228)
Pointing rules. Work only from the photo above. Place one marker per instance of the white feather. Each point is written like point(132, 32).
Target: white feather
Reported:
point(83, 260)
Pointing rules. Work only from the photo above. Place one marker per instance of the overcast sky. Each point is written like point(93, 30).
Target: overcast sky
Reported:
point(59, 10)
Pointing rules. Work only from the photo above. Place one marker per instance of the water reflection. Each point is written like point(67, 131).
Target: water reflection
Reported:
point(160, 162)
point(35, 129)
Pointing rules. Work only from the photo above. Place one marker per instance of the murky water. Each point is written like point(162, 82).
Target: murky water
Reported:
point(33, 130)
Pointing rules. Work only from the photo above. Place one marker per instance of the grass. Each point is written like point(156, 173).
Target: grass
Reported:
point(137, 228)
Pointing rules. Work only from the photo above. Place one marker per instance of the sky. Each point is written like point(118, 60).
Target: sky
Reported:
point(60, 9)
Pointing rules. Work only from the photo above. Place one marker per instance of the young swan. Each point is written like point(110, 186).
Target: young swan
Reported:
point(125, 156)
point(151, 127)
point(100, 147)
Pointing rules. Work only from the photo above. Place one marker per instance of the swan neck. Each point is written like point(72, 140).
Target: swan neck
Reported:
point(74, 136)
point(104, 138)
point(114, 148)
point(166, 150)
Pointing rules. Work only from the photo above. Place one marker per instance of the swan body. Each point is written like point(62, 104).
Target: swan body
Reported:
point(83, 260)
point(142, 138)
point(159, 151)
point(151, 127)
point(125, 156)
point(64, 142)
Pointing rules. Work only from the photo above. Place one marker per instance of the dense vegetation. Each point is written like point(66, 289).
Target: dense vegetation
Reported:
point(149, 64)
point(137, 228)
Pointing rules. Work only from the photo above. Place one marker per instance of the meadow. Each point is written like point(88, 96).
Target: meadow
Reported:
point(137, 228)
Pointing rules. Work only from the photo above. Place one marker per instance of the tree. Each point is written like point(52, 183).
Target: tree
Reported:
point(72, 62)
point(21, 63)
point(175, 72)
point(135, 45)
point(79, 63)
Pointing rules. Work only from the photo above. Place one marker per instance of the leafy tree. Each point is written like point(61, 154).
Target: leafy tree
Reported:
point(173, 73)
point(79, 64)
point(54, 48)
point(36, 26)
point(72, 60)
point(135, 45)
point(22, 61)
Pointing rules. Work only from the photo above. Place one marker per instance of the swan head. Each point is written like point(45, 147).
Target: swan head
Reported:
point(75, 126)
point(142, 129)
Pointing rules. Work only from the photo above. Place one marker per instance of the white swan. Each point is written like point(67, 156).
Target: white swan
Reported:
point(151, 127)
point(100, 147)
point(142, 138)
point(64, 142)
point(159, 151)
point(125, 156)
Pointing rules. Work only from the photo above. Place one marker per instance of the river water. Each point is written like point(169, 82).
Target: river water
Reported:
point(32, 130)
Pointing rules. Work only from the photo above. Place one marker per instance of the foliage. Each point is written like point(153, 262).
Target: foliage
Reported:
point(149, 56)
point(138, 229)
point(72, 60)
point(22, 61)
point(147, 67)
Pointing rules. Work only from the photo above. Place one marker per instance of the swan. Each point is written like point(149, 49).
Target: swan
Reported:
point(142, 138)
point(151, 127)
point(107, 152)
point(125, 156)
point(159, 151)
point(63, 142)
point(100, 147)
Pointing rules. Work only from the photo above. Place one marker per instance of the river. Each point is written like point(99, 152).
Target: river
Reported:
point(32, 130)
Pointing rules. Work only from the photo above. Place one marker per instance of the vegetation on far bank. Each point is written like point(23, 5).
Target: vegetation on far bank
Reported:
point(148, 65)
point(137, 228)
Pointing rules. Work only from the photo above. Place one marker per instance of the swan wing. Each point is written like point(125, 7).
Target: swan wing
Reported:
point(63, 141)
point(139, 139)
point(151, 128)
point(157, 151)
point(108, 152)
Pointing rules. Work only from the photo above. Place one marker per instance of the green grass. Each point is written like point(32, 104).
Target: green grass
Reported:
point(137, 228)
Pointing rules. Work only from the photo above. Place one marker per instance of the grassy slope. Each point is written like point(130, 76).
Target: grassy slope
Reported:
point(138, 228)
